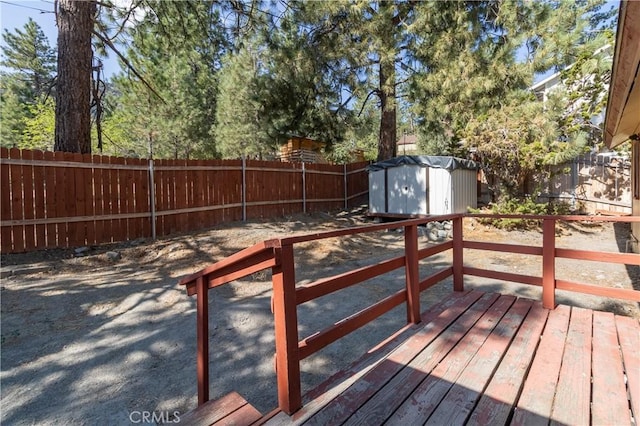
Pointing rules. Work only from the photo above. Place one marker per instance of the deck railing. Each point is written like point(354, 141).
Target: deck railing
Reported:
point(278, 255)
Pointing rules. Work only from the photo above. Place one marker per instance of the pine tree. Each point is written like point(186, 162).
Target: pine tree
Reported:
point(30, 63)
point(362, 44)
point(75, 20)
point(171, 109)
point(517, 138)
point(239, 119)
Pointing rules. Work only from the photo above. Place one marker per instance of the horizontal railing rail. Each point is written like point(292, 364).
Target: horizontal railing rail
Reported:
point(278, 254)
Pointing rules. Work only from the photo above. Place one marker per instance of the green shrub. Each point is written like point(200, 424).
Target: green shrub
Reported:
point(525, 206)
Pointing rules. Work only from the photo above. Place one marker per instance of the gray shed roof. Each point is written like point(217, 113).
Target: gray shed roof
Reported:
point(435, 161)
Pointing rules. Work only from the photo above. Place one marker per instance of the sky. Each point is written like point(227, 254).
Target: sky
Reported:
point(15, 13)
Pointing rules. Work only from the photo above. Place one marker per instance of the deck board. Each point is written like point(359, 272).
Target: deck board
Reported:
point(433, 388)
point(504, 387)
point(536, 402)
point(231, 409)
point(387, 399)
point(610, 404)
point(488, 359)
point(573, 392)
point(629, 338)
point(462, 397)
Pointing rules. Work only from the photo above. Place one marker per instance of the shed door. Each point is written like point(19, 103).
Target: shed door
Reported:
point(440, 191)
point(407, 189)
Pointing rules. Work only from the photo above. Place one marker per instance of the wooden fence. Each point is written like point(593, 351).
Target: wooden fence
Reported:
point(69, 200)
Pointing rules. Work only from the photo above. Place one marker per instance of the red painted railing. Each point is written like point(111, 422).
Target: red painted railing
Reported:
point(278, 254)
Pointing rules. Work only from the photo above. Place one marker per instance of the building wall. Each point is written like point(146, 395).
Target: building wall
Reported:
point(635, 167)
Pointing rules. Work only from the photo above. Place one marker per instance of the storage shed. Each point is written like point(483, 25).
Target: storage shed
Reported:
point(419, 185)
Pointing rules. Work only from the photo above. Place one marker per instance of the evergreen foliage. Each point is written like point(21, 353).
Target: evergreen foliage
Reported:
point(27, 82)
point(239, 118)
point(205, 79)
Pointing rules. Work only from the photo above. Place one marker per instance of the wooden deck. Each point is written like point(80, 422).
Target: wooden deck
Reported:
point(472, 359)
point(491, 359)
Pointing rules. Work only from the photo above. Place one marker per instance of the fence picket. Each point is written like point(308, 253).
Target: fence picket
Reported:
point(80, 229)
point(67, 200)
point(39, 199)
point(17, 199)
point(118, 183)
point(6, 244)
point(28, 200)
point(107, 189)
point(89, 199)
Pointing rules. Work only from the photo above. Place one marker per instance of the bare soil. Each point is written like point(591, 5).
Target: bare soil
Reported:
point(89, 340)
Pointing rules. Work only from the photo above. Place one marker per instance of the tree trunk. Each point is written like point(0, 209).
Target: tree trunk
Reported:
point(387, 137)
point(75, 20)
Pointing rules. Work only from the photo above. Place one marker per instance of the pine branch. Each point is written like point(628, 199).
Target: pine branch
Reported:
point(127, 63)
point(126, 19)
point(373, 92)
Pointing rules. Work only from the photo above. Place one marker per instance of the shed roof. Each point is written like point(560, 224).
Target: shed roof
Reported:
point(435, 161)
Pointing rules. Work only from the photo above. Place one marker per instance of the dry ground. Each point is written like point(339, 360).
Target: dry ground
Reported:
point(88, 340)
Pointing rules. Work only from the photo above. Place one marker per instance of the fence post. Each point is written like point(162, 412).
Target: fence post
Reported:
point(244, 188)
point(152, 198)
point(549, 263)
point(458, 278)
point(286, 331)
point(411, 273)
point(304, 189)
point(202, 331)
point(346, 194)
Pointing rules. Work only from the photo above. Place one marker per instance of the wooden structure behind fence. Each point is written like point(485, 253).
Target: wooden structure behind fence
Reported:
point(68, 200)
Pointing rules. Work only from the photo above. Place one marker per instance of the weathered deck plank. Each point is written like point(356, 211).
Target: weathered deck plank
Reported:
point(386, 400)
point(535, 403)
point(462, 397)
point(500, 396)
point(573, 393)
point(340, 409)
point(434, 387)
point(629, 338)
point(231, 409)
point(609, 398)
point(488, 359)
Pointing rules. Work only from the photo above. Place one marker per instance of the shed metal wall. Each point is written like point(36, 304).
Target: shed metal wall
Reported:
point(377, 192)
point(420, 190)
point(465, 190)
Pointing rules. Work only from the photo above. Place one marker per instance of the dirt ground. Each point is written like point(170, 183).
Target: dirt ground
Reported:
point(103, 337)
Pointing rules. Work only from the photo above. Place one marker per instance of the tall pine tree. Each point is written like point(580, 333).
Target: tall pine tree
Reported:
point(28, 80)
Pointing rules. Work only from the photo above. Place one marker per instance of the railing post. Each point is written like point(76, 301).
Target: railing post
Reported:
point(458, 278)
point(286, 331)
point(202, 325)
point(549, 263)
point(411, 273)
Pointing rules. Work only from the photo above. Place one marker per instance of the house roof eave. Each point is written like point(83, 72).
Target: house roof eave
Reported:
point(622, 119)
